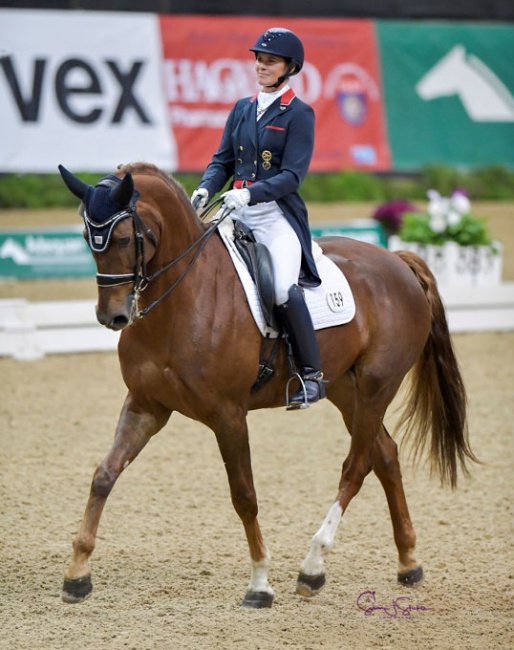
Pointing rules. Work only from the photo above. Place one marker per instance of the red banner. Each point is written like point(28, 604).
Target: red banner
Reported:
point(207, 68)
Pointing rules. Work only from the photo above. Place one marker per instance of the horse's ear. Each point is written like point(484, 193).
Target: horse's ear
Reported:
point(74, 184)
point(122, 193)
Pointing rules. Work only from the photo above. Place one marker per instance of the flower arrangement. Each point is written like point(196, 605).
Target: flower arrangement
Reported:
point(456, 245)
point(445, 220)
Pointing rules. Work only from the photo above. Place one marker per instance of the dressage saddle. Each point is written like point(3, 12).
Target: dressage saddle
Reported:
point(258, 260)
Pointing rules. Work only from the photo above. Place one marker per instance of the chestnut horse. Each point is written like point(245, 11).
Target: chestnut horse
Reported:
point(189, 343)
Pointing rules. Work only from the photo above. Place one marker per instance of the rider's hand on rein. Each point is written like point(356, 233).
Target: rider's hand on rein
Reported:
point(236, 199)
point(200, 198)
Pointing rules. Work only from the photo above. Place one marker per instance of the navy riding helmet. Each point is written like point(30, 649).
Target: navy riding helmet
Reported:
point(282, 42)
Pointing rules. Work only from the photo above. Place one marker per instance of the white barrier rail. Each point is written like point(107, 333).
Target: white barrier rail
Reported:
point(480, 309)
point(30, 330)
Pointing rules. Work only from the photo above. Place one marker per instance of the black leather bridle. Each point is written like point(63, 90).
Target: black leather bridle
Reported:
point(139, 277)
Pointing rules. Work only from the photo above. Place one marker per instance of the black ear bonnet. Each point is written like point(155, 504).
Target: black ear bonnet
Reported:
point(111, 200)
point(103, 210)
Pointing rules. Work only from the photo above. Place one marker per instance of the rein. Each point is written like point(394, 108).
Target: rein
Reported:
point(139, 277)
point(201, 242)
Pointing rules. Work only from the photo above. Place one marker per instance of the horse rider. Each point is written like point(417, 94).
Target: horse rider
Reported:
point(265, 150)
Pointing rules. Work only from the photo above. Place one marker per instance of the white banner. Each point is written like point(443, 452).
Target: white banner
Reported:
point(83, 89)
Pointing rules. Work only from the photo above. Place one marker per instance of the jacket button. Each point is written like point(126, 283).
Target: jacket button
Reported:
point(240, 147)
point(253, 175)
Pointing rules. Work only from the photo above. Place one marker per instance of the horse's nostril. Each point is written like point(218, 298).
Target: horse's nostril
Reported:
point(119, 322)
point(115, 316)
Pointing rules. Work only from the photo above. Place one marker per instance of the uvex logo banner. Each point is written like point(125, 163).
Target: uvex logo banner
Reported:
point(83, 89)
point(207, 67)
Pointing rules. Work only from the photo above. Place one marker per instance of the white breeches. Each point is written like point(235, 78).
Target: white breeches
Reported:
point(271, 228)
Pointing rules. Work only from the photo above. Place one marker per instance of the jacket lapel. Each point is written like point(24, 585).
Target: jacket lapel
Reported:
point(250, 119)
point(281, 105)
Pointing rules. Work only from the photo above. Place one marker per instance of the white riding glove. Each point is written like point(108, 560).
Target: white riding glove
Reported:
point(199, 198)
point(236, 199)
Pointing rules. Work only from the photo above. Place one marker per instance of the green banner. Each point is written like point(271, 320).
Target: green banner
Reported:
point(47, 253)
point(449, 93)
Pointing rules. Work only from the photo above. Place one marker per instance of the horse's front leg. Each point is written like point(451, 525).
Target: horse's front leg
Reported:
point(134, 430)
point(232, 437)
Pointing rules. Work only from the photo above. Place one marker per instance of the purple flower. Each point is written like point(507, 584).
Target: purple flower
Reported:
point(390, 214)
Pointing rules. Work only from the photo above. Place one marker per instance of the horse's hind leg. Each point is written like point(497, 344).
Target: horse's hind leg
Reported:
point(363, 420)
point(387, 469)
point(134, 430)
point(378, 452)
point(363, 409)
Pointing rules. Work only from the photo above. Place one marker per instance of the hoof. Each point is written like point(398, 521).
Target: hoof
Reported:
point(75, 591)
point(308, 586)
point(257, 599)
point(412, 577)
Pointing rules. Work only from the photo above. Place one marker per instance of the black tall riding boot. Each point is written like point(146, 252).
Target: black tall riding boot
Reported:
point(297, 322)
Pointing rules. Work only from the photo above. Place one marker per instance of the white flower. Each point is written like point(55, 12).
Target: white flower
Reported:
point(444, 212)
point(460, 203)
point(437, 205)
point(438, 222)
point(453, 217)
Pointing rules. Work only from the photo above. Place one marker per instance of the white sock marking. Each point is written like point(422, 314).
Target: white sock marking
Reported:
point(322, 542)
point(259, 576)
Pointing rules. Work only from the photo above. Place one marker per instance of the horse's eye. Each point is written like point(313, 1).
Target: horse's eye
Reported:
point(123, 242)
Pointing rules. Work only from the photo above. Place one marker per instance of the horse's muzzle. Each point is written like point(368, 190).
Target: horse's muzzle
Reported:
point(116, 318)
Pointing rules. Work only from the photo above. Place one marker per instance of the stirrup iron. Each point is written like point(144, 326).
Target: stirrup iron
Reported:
point(315, 377)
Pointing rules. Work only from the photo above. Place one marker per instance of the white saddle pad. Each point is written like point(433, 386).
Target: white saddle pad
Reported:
point(330, 304)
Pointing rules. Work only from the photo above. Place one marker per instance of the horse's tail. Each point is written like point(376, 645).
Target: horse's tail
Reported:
point(437, 398)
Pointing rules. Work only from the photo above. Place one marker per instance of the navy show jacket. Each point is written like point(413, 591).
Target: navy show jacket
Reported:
point(273, 154)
